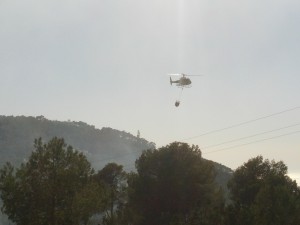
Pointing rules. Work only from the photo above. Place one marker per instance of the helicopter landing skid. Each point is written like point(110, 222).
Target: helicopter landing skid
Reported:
point(185, 86)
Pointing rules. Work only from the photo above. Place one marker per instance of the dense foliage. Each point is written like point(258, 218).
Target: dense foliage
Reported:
point(173, 185)
point(114, 180)
point(57, 186)
point(42, 190)
point(262, 193)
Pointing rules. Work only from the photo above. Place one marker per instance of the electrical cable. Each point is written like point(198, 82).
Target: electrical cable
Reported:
point(249, 143)
point(229, 127)
point(254, 135)
point(219, 150)
point(240, 124)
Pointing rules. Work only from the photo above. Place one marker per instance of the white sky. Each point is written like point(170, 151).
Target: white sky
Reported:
point(105, 63)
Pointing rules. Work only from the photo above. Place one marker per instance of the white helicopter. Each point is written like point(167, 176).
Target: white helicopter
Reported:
point(182, 82)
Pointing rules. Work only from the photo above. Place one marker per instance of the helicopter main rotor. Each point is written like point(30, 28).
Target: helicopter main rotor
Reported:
point(185, 75)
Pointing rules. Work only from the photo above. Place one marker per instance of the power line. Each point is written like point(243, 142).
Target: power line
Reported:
point(219, 150)
point(223, 149)
point(218, 130)
point(249, 143)
point(243, 123)
point(254, 135)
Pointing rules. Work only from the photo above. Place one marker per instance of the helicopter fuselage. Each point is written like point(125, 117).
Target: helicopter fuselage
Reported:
point(183, 81)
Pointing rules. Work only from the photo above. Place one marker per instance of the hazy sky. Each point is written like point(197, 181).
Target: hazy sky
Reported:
point(106, 63)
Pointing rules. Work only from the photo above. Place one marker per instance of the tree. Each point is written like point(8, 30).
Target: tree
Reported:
point(89, 201)
point(262, 193)
point(173, 185)
point(42, 190)
point(114, 179)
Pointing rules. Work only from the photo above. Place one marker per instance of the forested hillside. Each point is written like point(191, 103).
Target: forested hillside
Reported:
point(101, 146)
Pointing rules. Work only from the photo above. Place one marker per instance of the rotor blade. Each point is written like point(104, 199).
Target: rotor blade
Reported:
point(192, 75)
point(174, 74)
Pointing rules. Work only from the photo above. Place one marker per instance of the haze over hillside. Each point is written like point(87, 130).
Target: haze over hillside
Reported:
point(101, 146)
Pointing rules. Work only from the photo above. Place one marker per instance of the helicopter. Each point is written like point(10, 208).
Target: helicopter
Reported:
point(182, 82)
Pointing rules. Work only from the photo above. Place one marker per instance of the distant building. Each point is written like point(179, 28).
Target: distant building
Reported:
point(138, 134)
